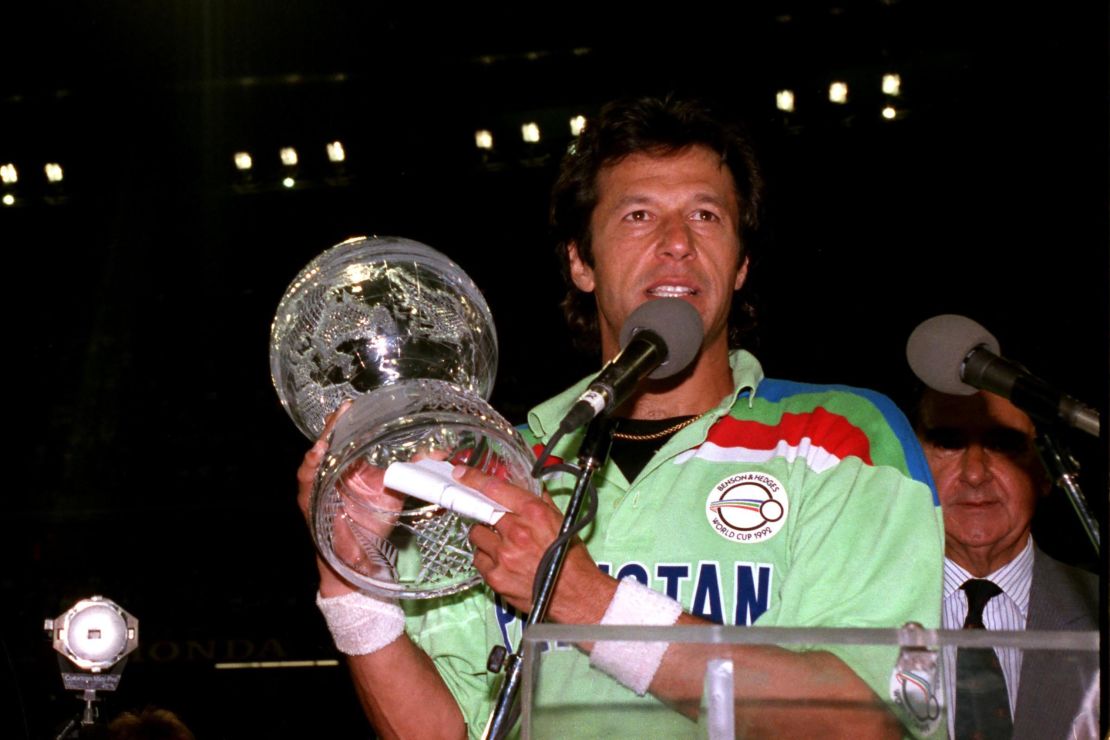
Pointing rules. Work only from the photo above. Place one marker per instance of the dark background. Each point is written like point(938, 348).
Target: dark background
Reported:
point(149, 459)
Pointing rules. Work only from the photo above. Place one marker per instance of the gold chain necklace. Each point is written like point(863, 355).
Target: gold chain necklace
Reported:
point(656, 435)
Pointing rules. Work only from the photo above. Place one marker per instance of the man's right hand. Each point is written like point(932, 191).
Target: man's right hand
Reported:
point(331, 583)
point(398, 686)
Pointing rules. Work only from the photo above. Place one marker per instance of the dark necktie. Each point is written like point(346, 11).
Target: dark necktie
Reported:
point(982, 706)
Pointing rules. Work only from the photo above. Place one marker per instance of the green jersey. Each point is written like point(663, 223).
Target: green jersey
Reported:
point(788, 505)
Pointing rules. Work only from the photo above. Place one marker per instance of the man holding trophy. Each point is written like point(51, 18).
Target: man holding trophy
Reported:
point(728, 497)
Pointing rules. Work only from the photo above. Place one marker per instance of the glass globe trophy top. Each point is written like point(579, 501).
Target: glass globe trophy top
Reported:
point(403, 332)
point(370, 312)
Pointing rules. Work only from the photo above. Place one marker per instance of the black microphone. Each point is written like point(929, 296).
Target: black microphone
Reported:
point(955, 355)
point(659, 339)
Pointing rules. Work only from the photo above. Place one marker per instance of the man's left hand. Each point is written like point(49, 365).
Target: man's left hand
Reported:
point(508, 554)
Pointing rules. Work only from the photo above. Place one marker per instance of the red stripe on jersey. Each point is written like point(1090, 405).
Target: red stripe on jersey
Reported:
point(537, 450)
point(832, 432)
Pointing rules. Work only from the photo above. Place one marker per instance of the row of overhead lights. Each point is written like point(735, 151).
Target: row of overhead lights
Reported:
point(784, 101)
point(244, 162)
point(289, 157)
point(483, 138)
point(9, 177)
point(529, 132)
point(838, 94)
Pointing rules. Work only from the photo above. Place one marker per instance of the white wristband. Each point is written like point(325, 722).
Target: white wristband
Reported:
point(634, 663)
point(361, 624)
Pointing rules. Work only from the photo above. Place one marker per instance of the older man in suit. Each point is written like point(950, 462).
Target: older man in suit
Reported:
point(980, 450)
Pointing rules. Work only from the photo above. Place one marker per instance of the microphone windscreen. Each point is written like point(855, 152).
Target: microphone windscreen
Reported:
point(679, 326)
point(938, 346)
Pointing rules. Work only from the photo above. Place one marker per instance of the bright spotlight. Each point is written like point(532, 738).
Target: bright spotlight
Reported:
point(889, 113)
point(94, 634)
point(243, 161)
point(336, 152)
point(9, 199)
point(577, 124)
point(784, 100)
point(53, 172)
point(8, 174)
point(892, 85)
point(530, 132)
point(288, 182)
point(288, 156)
point(93, 639)
point(838, 92)
point(483, 139)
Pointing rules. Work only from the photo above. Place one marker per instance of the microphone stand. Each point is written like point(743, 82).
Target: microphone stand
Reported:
point(592, 454)
point(1063, 470)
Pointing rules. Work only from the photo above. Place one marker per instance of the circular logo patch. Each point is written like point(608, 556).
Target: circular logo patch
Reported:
point(747, 507)
point(918, 696)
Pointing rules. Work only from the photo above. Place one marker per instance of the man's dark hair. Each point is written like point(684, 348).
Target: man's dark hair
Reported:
point(149, 724)
point(656, 126)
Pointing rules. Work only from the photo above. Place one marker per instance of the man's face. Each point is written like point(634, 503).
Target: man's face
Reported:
point(665, 226)
point(980, 449)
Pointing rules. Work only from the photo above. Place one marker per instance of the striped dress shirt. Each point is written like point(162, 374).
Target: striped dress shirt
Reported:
point(1006, 611)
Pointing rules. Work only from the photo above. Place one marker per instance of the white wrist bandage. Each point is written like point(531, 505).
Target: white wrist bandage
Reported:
point(634, 663)
point(361, 624)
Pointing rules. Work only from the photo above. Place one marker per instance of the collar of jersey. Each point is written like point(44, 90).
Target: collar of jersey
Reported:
point(544, 419)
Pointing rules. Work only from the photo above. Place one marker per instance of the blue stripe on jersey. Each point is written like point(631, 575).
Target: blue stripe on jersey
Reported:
point(775, 391)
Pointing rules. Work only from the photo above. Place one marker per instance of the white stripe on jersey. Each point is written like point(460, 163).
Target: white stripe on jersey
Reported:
point(817, 458)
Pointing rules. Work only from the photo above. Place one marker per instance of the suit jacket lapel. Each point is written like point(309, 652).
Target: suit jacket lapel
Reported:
point(1050, 690)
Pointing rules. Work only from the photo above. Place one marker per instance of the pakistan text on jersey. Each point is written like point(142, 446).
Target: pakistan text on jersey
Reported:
point(751, 594)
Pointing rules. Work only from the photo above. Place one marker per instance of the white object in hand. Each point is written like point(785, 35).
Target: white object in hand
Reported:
point(430, 480)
